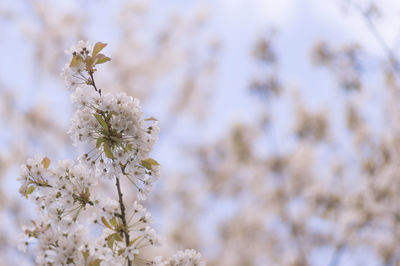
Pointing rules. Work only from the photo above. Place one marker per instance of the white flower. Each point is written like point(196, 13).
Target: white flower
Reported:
point(189, 257)
point(140, 219)
point(157, 261)
point(59, 243)
point(71, 78)
point(74, 75)
point(83, 97)
point(60, 192)
point(33, 173)
point(109, 207)
point(22, 240)
point(130, 252)
point(79, 48)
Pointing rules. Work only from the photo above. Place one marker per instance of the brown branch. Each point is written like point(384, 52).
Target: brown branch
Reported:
point(123, 215)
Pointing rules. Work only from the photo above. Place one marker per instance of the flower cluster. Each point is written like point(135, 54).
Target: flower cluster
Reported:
point(68, 195)
point(82, 66)
point(120, 140)
point(63, 191)
point(66, 200)
point(189, 257)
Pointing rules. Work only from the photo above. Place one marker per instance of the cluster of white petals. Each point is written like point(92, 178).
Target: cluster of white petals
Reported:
point(118, 137)
point(188, 257)
point(74, 76)
point(63, 195)
point(61, 192)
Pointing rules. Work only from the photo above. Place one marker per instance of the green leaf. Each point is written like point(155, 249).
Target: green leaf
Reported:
point(102, 123)
point(89, 62)
point(110, 241)
point(107, 150)
point(104, 220)
point(128, 147)
point(98, 47)
point(85, 254)
point(113, 221)
point(99, 141)
point(76, 61)
point(100, 59)
point(118, 237)
point(46, 162)
point(148, 163)
point(115, 139)
point(29, 191)
point(133, 241)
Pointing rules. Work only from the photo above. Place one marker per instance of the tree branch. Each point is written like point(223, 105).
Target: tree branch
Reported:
point(123, 215)
point(389, 52)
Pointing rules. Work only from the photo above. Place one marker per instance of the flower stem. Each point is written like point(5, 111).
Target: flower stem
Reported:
point(123, 215)
point(94, 83)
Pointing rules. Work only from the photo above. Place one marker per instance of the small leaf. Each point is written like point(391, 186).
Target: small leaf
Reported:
point(118, 237)
point(115, 139)
point(133, 241)
point(89, 62)
point(85, 254)
point(46, 162)
point(102, 123)
point(113, 221)
point(148, 163)
point(100, 59)
point(128, 147)
point(104, 220)
point(121, 251)
point(96, 262)
point(107, 150)
point(29, 191)
point(151, 119)
point(98, 47)
point(76, 61)
point(110, 241)
point(98, 143)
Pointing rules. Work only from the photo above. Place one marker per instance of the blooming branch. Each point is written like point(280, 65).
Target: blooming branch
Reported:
point(68, 195)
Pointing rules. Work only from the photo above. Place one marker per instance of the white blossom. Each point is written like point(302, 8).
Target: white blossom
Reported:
point(188, 257)
point(74, 75)
point(119, 138)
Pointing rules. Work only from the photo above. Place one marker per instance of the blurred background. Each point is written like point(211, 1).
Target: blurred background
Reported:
point(280, 134)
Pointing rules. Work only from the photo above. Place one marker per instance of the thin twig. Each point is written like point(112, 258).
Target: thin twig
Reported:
point(299, 246)
point(94, 83)
point(389, 52)
point(337, 255)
